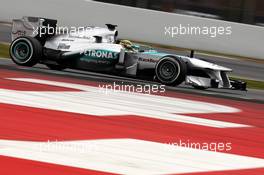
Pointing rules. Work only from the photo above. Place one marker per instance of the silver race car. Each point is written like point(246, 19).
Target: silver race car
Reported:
point(40, 40)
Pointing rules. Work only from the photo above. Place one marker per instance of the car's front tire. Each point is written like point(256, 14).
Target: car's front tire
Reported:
point(25, 51)
point(171, 71)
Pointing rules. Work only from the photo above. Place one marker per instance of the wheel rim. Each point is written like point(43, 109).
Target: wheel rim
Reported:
point(168, 70)
point(21, 52)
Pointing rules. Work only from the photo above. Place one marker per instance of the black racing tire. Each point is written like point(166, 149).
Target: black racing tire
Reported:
point(171, 70)
point(25, 51)
point(56, 67)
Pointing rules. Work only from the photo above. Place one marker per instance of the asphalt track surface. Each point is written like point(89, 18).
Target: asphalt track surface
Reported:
point(61, 123)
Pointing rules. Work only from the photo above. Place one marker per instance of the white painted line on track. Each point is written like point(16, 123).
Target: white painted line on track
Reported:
point(128, 156)
point(92, 101)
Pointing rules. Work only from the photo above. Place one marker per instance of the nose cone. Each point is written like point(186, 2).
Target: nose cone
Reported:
point(204, 64)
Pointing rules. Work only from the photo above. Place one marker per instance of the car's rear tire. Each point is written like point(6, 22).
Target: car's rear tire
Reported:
point(56, 67)
point(171, 71)
point(25, 51)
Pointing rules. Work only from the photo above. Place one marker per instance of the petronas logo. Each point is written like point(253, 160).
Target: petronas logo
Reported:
point(100, 54)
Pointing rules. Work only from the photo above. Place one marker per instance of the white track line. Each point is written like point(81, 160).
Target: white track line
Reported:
point(128, 156)
point(95, 102)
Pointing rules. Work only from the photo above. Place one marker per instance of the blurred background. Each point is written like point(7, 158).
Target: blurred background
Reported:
point(241, 11)
point(145, 21)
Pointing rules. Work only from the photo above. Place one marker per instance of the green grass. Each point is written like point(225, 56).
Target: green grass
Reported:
point(4, 50)
point(251, 84)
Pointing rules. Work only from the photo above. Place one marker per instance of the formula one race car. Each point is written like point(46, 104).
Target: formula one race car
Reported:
point(40, 40)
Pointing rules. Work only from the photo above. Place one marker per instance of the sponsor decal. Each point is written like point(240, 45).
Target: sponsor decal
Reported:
point(147, 60)
point(96, 61)
point(19, 33)
point(67, 40)
point(101, 54)
point(63, 46)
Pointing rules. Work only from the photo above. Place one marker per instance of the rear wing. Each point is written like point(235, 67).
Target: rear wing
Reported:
point(31, 26)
